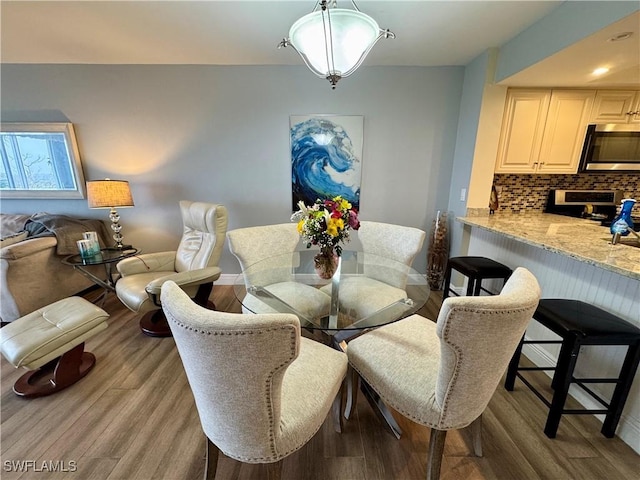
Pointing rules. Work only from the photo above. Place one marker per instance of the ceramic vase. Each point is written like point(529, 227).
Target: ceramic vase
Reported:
point(438, 251)
point(326, 263)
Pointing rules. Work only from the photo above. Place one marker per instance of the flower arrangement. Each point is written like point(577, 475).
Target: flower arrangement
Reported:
point(326, 223)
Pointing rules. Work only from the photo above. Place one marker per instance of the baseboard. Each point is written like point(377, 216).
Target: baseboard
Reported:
point(227, 279)
point(628, 428)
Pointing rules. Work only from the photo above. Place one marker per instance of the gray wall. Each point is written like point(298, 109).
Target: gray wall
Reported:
point(220, 134)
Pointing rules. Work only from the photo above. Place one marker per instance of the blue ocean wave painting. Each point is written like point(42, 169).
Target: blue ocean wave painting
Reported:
point(323, 162)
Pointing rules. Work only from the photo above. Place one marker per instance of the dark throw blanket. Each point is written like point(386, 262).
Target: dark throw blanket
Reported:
point(67, 230)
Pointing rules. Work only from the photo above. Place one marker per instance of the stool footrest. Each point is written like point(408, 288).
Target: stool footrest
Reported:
point(596, 380)
point(534, 390)
point(535, 369)
point(594, 395)
point(585, 412)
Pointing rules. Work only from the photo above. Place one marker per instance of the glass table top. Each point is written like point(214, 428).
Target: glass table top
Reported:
point(367, 290)
point(106, 255)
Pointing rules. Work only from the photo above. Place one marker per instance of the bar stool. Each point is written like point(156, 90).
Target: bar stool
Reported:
point(579, 323)
point(476, 269)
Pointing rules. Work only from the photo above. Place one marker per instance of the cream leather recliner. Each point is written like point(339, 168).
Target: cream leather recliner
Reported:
point(193, 266)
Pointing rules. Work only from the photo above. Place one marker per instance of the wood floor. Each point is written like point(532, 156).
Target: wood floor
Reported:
point(133, 417)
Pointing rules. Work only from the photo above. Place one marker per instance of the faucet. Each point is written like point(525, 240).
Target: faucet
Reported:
point(616, 236)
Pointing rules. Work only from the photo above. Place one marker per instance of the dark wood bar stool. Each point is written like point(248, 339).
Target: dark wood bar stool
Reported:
point(476, 269)
point(579, 323)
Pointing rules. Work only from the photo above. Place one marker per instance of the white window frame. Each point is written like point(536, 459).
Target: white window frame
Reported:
point(7, 129)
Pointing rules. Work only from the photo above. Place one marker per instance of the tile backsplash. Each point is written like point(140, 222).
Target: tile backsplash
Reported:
point(519, 192)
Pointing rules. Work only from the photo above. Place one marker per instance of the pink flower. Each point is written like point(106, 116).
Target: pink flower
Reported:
point(353, 220)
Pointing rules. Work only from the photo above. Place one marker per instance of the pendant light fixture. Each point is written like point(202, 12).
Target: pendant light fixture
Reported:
point(332, 41)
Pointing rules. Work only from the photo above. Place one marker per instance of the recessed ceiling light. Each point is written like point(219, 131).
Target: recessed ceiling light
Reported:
point(600, 71)
point(621, 36)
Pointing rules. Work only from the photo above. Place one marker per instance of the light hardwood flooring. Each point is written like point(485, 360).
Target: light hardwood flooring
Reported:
point(133, 417)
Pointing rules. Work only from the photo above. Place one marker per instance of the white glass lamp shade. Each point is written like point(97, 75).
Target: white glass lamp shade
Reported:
point(335, 43)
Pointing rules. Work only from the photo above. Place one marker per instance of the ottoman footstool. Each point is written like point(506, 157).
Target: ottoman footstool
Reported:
point(50, 343)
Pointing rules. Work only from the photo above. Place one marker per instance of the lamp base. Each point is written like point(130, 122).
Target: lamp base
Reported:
point(116, 248)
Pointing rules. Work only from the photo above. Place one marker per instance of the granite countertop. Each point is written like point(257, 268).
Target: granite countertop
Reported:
point(584, 240)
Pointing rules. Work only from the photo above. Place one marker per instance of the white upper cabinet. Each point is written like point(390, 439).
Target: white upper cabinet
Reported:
point(565, 130)
point(523, 122)
point(616, 106)
point(543, 130)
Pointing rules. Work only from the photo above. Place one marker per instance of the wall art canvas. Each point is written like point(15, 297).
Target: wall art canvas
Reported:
point(326, 157)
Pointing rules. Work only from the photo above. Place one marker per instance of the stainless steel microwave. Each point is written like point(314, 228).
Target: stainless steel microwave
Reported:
point(611, 147)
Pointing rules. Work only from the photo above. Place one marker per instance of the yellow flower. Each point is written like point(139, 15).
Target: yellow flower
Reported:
point(344, 205)
point(300, 226)
point(334, 226)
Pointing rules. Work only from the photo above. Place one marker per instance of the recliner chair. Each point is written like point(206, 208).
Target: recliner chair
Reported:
point(193, 266)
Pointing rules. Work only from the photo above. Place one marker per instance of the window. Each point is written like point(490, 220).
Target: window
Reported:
point(40, 160)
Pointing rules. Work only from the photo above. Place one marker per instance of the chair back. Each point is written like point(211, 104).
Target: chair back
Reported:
point(203, 236)
point(388, 241)
point(235, 365)
point(478, 336)
point(254, 244)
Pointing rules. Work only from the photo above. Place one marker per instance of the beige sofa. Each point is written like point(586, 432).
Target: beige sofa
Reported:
point(32, 274)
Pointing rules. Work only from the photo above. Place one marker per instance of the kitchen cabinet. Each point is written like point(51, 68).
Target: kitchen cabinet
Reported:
point(543, 130)
point(616, 106)
point(523, 122)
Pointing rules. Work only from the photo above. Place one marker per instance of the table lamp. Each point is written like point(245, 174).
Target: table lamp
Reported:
point(110, 194)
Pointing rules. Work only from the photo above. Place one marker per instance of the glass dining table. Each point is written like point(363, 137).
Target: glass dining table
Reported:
point(367, 291)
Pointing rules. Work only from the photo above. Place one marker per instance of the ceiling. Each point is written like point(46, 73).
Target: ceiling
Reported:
point(242, 32)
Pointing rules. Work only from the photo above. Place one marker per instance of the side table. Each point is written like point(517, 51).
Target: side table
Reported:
point(107, 257)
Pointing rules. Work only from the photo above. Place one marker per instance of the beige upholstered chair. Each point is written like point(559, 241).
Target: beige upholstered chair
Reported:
point(443, 374)
point(193, 266)
point(381, 285)
point(255, 244)
point(261, 390)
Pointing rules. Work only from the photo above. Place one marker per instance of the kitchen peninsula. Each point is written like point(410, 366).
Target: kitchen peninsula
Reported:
point(581, 239)
point(571, 258)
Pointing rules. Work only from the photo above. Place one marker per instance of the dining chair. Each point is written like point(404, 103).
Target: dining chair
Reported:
point(385, 246)
point(193, 266)
point(261, 390)
point(267, 256)
point(444, 374)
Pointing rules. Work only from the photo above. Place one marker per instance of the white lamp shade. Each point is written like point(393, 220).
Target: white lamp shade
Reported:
point(348, 39)
point(109, 194)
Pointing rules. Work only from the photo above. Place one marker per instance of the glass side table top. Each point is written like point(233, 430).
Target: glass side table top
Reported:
point(367, 290)
point(106, 255)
